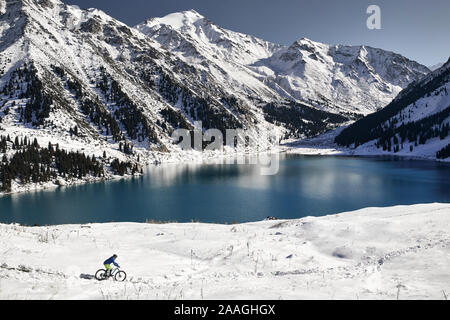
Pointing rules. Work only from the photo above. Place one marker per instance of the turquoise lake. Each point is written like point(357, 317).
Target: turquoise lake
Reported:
point(228, 193)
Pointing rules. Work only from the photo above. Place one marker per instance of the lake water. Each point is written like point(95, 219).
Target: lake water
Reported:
point(227, 193)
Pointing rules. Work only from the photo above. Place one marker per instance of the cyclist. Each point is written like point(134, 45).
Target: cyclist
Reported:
point(108, 262)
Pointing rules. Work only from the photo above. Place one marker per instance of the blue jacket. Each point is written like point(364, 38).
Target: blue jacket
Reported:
point(111, 260)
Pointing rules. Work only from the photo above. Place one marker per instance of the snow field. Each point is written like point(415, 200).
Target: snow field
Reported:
point(374, 253)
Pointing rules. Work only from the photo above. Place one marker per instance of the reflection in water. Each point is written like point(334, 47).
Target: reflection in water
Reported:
point(213, 171)
point(226, 192)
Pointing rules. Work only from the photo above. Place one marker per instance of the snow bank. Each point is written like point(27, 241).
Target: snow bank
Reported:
point(374, 253)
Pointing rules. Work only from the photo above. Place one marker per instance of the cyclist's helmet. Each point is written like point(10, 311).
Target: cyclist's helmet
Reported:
point(115, 255)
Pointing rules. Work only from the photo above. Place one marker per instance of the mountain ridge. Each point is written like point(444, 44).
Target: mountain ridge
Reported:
point(331, 81)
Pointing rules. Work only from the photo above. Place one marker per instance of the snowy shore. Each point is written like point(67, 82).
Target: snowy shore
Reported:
point(152, 159)
point(375, 253)
point(147, 159)
point(323, 145)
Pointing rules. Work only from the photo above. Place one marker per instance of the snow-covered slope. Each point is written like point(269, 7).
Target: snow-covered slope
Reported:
point(398, 252)
point(333, 78)
point(416, 122)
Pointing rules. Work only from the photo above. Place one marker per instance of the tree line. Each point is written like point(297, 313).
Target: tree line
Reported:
point(32, 163)
point(126, 111)
point(418, 132)
point(444, 153)
point(24, 84)
point(301, 119)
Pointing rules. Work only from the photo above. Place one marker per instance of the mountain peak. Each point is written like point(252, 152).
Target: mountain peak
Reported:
point(307, 45)
point(308, 42)
point(192, 12)
point(176, 20)
point(189, 15)
point(304, 39)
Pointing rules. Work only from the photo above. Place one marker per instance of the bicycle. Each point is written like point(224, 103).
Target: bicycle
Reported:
point(116, 274)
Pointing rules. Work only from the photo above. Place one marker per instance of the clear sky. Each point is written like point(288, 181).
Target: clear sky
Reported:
point(417, 29)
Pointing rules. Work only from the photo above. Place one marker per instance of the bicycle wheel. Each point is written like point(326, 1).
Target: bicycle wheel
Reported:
point(100, 274)
point(120, 276)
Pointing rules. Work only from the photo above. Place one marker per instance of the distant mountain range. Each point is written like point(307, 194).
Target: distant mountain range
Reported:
point(340, 79)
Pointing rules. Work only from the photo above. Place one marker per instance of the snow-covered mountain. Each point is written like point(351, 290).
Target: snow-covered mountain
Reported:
point(89, 83)
point(224, 55)
point(186, 30)
point(337, 78)
point(416, 122)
